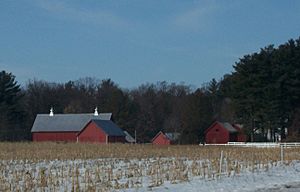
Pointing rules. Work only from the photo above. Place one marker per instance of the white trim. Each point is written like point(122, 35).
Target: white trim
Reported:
point(258, 144)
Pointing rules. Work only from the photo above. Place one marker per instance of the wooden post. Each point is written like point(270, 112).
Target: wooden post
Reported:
point(221, 161)
point(281, 154)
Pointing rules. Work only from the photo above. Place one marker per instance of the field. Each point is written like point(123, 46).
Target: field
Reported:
point(121, 167)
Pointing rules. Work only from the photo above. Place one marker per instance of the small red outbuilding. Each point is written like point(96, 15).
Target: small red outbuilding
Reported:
point(101, 131)
point(165, 138)
point(221, 133)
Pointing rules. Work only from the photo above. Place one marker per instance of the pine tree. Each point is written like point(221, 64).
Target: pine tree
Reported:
point(11, 114)
point(266, 88)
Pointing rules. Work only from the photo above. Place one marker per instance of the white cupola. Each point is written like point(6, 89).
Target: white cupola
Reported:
point(51, 112)
point(96, 112)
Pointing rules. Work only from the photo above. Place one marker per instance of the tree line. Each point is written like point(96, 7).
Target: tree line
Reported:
point(262, 94)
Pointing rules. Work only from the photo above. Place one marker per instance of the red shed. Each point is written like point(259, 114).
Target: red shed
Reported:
point(101, 131)
point(165, 138)
point(221, 133)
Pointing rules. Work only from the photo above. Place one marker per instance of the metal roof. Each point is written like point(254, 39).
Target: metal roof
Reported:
point(129, 138)
point(229, 127)
point(172, 136)
point(65, 122)
point(109, 127)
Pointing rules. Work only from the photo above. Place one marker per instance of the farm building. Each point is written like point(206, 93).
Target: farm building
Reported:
point(165, 138)
point(220, 133)
point(101, 131)
point(75, 127)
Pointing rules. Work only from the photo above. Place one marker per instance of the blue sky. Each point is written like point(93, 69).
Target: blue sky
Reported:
point(138, 41)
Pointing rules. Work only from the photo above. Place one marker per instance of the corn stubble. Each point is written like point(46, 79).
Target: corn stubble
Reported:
point(96, 167)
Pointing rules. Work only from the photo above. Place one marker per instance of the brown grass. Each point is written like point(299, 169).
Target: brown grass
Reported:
point(63, 151)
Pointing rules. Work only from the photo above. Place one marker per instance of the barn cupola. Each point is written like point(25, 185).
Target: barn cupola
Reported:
point(96, 112)
point(51, 112)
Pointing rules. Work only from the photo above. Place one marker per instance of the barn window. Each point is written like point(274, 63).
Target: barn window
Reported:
point(217, 130)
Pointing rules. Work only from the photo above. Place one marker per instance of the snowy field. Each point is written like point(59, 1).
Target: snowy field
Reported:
point(279, 178)
point(130, 168)
point(162, 174)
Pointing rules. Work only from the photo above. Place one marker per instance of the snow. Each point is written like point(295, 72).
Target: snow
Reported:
point(153, 174)
point(281, 178)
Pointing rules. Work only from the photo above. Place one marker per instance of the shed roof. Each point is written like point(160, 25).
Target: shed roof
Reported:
point(172, 136)
point(129, 138)
point(65, 122)
point(109, 127)
point(229, 127)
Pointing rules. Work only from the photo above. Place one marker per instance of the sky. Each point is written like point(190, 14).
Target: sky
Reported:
point(138, 41)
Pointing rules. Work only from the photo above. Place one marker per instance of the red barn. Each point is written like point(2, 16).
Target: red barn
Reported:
point(165, 138)
point(63, 127)
point(101, 131)
point(221, 133)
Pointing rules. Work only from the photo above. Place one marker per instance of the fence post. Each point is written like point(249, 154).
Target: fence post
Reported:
point(221, 160)
point(281, 154)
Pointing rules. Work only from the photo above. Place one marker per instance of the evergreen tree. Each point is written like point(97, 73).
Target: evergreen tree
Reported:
point(11, 114)
point(266, 89)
